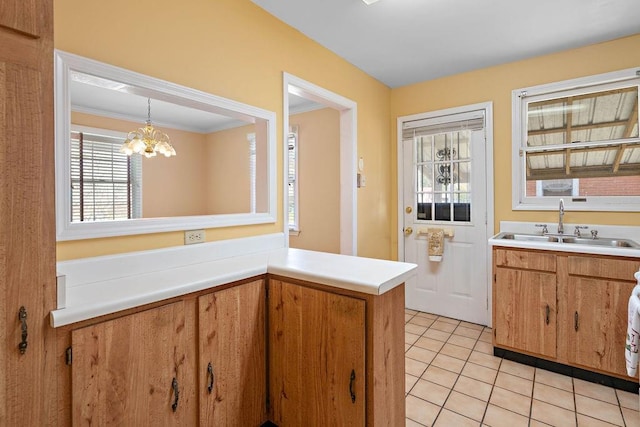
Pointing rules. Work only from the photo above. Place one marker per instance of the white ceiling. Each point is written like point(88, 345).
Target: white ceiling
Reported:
point(107, 98)
point(401, 42)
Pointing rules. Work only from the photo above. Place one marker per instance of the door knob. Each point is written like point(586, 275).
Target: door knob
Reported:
point(408, 231)
point(408, 209)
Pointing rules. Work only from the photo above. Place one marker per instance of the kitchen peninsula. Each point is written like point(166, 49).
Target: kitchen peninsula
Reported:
point(209, 334)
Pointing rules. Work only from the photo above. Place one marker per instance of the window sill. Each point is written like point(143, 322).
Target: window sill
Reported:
point(294, 232)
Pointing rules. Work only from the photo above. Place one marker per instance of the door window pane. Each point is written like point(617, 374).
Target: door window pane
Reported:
point(443, 173)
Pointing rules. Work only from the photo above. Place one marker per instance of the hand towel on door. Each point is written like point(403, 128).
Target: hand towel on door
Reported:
point(633, 332)
point(435, 240)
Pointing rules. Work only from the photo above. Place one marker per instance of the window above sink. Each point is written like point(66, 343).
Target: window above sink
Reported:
point(578, 140)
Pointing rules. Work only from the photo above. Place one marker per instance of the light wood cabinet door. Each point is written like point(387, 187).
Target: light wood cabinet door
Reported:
point(525, 310)
point(597, 322)
point(316, 358)
point(27, 217)
point(232, 359)
point(25, 16)
point(126, 371)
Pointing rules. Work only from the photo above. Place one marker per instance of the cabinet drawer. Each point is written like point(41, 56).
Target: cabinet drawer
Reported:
point(608, 268)
point(525, 259)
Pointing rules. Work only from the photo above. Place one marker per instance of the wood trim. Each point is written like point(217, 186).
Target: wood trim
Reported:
point(562, 305)
point(618, 269)
point(632, 121)
point(386, 359)
point(22, 16)
point(525, 259)
point(576, 128)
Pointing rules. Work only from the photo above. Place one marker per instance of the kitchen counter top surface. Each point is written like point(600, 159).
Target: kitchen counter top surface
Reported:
point(82, 301)
point(605, 231)
point(566, 247)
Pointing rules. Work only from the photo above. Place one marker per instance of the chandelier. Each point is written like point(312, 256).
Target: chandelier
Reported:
point(148, 141)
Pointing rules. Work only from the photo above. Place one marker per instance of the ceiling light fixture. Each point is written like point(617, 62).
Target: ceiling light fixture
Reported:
point(148, 141)
point(368, 2)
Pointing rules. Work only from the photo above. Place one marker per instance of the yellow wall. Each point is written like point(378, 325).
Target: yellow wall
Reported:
point(193, 42)
point(234, 49)
point(228, 162)
point(495, 84)
point(318, 180)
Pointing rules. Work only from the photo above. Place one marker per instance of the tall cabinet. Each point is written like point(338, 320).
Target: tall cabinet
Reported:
point(27, 226)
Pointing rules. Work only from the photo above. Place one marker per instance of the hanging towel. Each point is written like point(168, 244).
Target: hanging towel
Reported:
point(633, 332)
point(435, 240)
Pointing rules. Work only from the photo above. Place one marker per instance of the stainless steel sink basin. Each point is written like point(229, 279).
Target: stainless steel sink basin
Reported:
point(528, 237)
point(568, 239)
point(616, 243)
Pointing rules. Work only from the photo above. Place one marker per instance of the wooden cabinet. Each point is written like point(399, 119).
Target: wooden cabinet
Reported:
point(570, 309)
point(135, 370)
point(524, 295)
point(232, 356)
point(335, 357)
point(316, 356)
point(210, 347)
point(27, 245)
point(29, 17)
point(598, 291)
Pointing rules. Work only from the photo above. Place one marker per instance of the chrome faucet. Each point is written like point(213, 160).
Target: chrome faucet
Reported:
point(561, 217)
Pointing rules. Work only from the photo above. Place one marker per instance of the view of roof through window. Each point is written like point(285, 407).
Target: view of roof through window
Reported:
point(584, 144)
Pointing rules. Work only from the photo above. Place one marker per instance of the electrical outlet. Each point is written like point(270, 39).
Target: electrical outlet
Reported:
point(194, 236)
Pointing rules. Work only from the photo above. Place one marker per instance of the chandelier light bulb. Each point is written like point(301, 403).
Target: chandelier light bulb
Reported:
point(148, 141)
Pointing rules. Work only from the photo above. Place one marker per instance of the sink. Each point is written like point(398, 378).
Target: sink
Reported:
point(528, 237)
point(568, 239)
point(615, 243)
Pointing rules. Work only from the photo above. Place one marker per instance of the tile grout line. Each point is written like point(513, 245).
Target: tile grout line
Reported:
point(467, 360)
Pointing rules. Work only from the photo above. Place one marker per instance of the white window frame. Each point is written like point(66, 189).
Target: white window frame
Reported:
point(136, 164)
point(294, 228)
point(519, 98)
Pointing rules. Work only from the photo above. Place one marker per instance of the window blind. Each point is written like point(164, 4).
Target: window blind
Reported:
point(451, 123)
point(251, 138)
point(105, 184)
point(292, 172)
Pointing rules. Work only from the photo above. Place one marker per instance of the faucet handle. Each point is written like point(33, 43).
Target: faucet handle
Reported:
point(594, 234)
point(544, 228)
point(576, 232)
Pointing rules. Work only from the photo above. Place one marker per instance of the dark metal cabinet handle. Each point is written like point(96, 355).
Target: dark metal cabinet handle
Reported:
point(576, 323)
point(176, 394)
point(210, 377)
point(22, 317)
point(351, 381)
point(548, 311)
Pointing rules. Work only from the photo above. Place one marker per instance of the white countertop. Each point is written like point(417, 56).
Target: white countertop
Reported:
point(566, 247)
point(84, 301)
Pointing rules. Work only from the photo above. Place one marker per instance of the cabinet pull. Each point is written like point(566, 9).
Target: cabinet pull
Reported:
point(575, 321)
point(210, 377)
point(351, 380)
point(176, 394)
point(547, 312)
point(22, 317)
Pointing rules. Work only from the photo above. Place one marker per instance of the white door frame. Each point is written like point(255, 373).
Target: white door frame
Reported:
point(488, 126)
point(348, 154)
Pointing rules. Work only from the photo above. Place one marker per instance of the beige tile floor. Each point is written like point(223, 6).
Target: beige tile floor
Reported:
point(453, 379)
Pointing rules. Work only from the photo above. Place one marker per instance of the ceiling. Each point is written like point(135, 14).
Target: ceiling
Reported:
point(107, 98)
point(400, 42)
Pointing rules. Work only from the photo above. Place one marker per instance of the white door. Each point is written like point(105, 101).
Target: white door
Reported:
point(445, 187)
